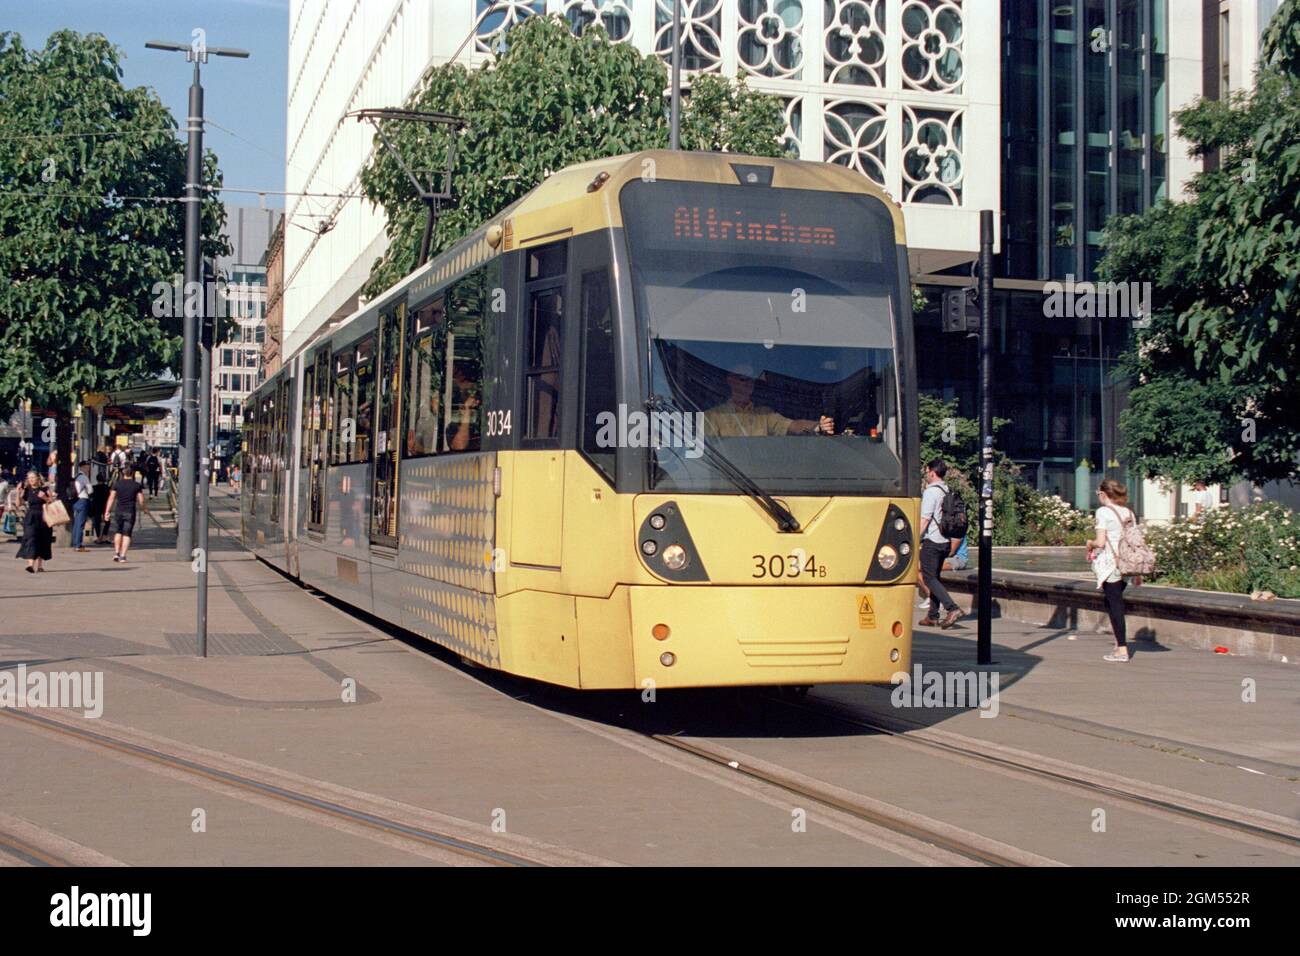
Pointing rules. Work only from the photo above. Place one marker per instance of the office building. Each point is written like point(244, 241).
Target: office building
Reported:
point(237, 356)
point(1053, 115)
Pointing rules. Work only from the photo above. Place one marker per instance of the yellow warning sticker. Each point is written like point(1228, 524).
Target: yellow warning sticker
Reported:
point(866, 613)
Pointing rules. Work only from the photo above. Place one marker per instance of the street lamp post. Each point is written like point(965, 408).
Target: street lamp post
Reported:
point(196, 52)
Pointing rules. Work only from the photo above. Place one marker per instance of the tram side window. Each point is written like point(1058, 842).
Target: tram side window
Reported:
point(287, 424)
point(597, 367)
point(365, 397)
point(545, 288)
point(308, 415)
point(267, 418)
point(319, 451)
point(344, 390)
point(424, 375)
point(468, 302)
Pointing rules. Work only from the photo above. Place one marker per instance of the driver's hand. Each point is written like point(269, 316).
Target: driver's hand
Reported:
point(826, 425)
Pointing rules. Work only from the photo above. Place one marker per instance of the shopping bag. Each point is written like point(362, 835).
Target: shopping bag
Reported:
point(56, 514)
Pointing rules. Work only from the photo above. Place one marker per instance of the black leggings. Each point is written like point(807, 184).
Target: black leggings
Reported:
point(1114, 591)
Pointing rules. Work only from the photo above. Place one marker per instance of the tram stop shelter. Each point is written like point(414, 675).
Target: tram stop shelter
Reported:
point(112, 417)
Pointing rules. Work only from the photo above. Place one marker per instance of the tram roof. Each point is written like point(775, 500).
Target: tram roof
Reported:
point(569, 203)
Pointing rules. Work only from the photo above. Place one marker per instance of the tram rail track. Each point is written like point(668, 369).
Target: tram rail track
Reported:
point(14, 850)
point(946, 837)
point(1232, 820)
point(400, 826)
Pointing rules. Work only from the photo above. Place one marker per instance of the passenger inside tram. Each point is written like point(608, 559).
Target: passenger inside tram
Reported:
point(738, 416)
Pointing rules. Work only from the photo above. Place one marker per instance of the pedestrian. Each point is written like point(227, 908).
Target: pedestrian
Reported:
point(52, 470)
point(38, 537)
point(81, 506)
point(1203, 501)
point(1103, 553)
point(935, 546)
point(99, 504)
point(117, 464)
point(957, 560)
point(152, 469)
point(126, 495)
point(13, 507)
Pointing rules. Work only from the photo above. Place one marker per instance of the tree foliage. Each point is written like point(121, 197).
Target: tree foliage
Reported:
point(1215, 392)
point(78, 256)
point(549, 100)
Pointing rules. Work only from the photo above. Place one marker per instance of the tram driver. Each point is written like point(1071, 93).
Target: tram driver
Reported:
point(738, 416)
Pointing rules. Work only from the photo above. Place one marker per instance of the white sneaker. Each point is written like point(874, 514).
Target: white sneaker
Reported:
point(923, 603)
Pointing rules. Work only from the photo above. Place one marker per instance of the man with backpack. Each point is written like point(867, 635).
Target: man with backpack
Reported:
point(152, 471)
point(943, 522)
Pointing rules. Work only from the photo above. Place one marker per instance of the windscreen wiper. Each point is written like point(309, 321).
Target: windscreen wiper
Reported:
point(785, 521)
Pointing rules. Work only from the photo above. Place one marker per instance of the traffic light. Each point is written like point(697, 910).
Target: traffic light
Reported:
point(960, 314)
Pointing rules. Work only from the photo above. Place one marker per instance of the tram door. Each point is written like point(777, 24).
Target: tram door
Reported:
point(538, 515)
point(383, 508)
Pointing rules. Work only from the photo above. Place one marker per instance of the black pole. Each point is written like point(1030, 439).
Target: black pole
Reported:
point(189, 361)
point(431, 214)
point(206, 342)
point(985, 632)
point(675, 97)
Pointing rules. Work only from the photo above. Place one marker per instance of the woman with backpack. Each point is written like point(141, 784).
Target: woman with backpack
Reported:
point(1113, 517)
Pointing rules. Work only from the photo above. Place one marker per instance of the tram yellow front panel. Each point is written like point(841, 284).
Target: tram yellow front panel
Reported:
point(754, 635)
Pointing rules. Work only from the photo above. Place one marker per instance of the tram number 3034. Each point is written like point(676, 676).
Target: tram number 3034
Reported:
point(498, 422)
point(793, 565)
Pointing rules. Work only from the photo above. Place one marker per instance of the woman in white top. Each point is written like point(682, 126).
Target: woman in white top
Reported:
point(1103, 553)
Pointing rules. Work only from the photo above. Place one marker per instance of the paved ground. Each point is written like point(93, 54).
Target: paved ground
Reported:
point(480, 750)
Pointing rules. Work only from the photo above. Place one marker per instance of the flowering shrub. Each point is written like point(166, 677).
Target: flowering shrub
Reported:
point(1049, 519)
point(1241, 550)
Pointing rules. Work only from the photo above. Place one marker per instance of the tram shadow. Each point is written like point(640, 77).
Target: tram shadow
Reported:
point(944, 683)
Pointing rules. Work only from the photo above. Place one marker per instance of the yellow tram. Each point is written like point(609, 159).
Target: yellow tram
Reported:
point(652, 425)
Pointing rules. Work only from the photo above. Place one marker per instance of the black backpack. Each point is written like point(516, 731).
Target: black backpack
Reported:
point(952, 515)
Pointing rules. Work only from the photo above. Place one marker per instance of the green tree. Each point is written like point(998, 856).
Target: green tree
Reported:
point(79, 252)
point(946, 435)
point(549, 100)
point(1215, 391)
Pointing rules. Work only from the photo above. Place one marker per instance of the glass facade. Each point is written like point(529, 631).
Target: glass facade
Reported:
point(1054, 379)
point(1085, 110)
point(1085, 120)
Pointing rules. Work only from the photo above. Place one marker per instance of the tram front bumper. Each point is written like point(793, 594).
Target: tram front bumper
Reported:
point(717, 636)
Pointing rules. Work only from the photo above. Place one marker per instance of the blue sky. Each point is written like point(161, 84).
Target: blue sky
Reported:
point(245, 96)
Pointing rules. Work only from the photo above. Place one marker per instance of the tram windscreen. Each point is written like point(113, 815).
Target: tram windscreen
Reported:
point(770, 316)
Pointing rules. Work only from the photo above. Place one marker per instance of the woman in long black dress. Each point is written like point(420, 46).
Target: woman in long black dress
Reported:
point(38, 537)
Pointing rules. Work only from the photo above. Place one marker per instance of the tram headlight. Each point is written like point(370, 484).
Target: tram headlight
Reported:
point(657, 522)
point(905, 548)
point(900, 524)
point(674, 557)
point(887, 557)
point(649, 547)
